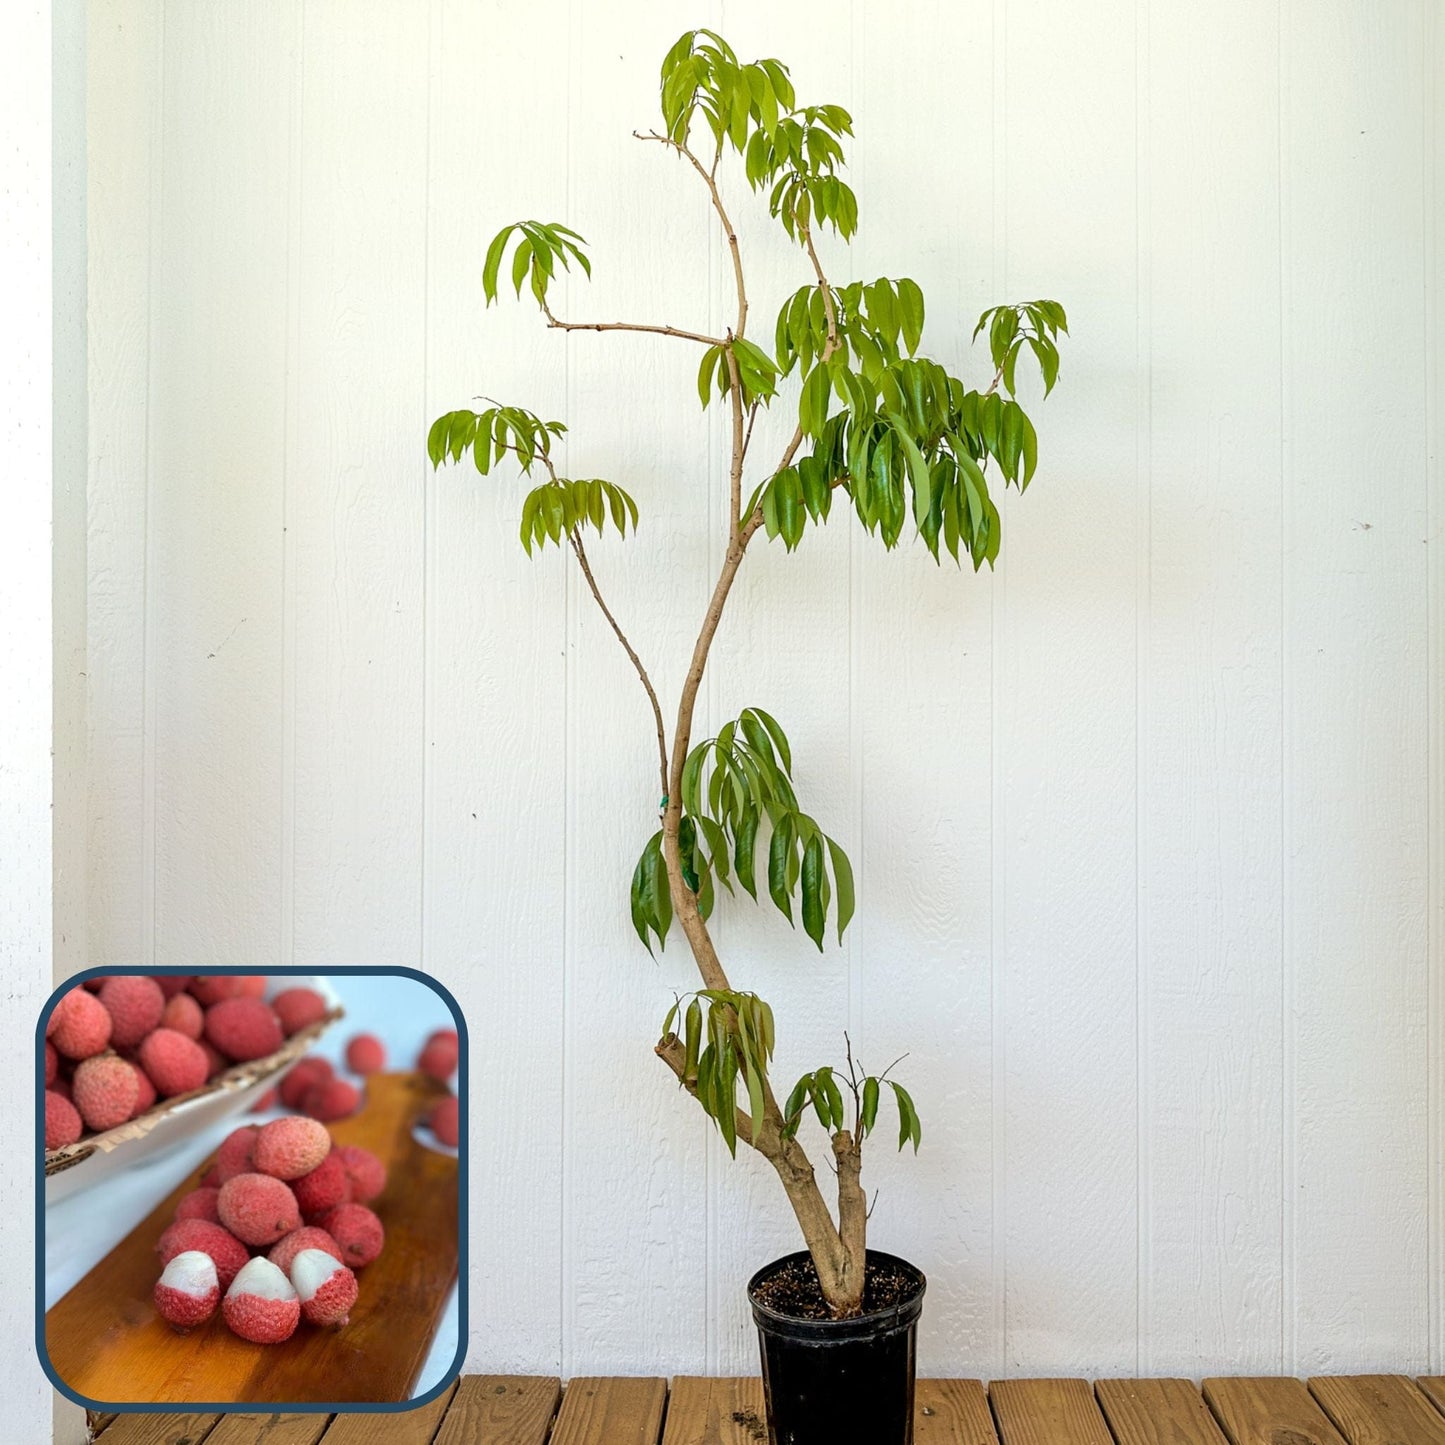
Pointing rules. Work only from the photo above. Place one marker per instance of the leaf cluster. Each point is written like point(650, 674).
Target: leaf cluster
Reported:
point(909, 438)
point(820, 1088)
point(796, 151)
point(1035, 323)
point(737, 788)
point(489, 434)
point(730, 1041)
point(557, 508)
point(541, 249)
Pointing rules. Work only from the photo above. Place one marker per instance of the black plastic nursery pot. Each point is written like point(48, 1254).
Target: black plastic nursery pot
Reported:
point(833, 1381)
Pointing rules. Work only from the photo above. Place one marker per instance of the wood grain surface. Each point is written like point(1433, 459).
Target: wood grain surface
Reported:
point(716, 1412)
point(952, 1412)
point(501, 1410)
point(1261, 1410)
point(1047, 1412)
point(1379, 1409)
point(107, 1343)
point(1157, 1412)
point(611, 1412)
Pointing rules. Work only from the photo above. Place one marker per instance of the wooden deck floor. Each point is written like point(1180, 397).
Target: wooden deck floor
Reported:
point(529, 1410)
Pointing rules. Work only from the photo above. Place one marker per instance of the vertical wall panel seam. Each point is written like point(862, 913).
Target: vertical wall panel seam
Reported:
point(1143, 596)
point(1435, 741)
point(1288, 1323)
point(998, 592)
point(295, 221)
point(564, 1318)
point(155, 208)
point(427, 494)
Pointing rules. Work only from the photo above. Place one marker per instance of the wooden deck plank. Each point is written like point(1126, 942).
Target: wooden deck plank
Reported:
point(409, 1427)
point(1157, 1412)
point(1379, 1409)
point(1047, 1412)
point(1434, 1388)
point(611, 1412)
point(952, 1412)
point(501, 1410)
point(268, 1430)
point(1263, 1410)
point(715, 1412)
point(159, 1429)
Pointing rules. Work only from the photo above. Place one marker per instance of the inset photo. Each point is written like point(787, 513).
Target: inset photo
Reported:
point(250, 1187)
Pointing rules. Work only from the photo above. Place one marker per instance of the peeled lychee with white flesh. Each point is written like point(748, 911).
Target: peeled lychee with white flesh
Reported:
point(227, 1252)
point(307, 1237)
point(257, 1209)
point(326, 1287)
point(261, 1305)
point(289, 1148)
point(188, 1291)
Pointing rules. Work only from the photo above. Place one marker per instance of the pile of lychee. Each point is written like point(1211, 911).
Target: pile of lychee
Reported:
point(275, 1233)
point(116, 1045)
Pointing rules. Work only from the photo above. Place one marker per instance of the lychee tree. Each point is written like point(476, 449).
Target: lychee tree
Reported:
point(882, 430)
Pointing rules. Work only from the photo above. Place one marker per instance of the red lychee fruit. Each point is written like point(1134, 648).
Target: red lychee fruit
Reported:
point(188, 1291)
point(307, 1237)
point(297, 1008)
point(323, 1188)
point(135, 1004)
point(199, 1204)
point(365, 1054)
point(105, 1091)
point(174, 1063)
point(445, 1119)
point(183, 1014)
point(438, 1057)
point(216, 1061)
point(234, 1155)
point(62, 1087)
point(266, 1101)
point(145, 1090)
point(365, 1172)
point(334, 1100)
point(257, 1209)
point(79, 1025)
point(243, 1028)
point(227, 1252)
point(261, 1304)
point(62, 1121)
point(211, 988)
point(211, 1179)
point(326, 1288)
point(172, 984)
point(52, 1063)
point(288, 1148)
point(357, 1232)
point(447, 1035)
point(304, 1076)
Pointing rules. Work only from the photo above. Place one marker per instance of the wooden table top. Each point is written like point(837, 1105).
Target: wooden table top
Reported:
point(536, 1410)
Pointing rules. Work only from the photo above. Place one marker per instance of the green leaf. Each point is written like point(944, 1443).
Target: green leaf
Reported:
point(870, 1105)
point(910, 305)
point(843, 882)
point(814, 920)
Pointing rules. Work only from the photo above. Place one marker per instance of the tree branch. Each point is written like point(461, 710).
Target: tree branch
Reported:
point(558, 325)
point(575, 538)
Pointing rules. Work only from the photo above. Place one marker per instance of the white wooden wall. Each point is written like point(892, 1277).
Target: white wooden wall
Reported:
point(1148, 824)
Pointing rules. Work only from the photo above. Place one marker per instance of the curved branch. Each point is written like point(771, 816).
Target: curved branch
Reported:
point(710, 181)
point(575, 538)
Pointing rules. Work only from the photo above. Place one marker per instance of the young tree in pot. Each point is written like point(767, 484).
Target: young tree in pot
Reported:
point(886, 433)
